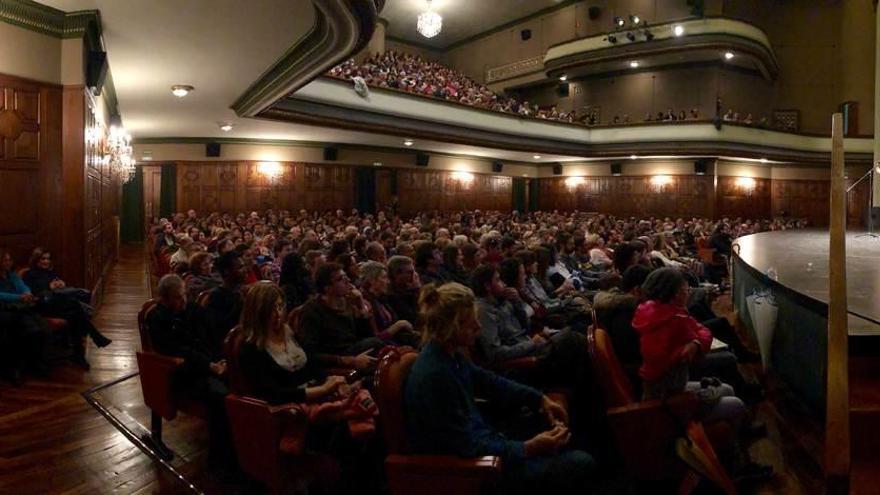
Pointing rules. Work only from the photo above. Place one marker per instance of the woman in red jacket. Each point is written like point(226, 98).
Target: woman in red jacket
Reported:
point(670, 340)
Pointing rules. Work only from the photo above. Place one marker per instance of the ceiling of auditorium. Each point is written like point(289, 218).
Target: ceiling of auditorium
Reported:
point(461, 18)
point(218, 46)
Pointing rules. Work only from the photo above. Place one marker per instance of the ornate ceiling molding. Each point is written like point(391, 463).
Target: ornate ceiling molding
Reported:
point(342, 27)
point(53, 22)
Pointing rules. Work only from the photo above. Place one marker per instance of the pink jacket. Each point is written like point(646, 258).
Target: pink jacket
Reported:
point(664, 330)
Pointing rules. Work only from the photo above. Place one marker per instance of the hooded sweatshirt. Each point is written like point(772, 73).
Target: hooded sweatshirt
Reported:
point(664, 330)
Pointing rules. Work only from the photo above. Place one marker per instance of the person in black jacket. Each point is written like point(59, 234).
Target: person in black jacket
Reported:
point(175, 330)
point(223, 308)
point(59, 301)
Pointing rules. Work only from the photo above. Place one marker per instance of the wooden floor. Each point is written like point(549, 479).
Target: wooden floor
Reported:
point(52, 440)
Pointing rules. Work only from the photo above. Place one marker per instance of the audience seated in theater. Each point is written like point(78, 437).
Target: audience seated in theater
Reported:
point(272, 269)
point(224, 303)
point(384, 321)
point(185, 248)
point(443, 417)
point(23, 331)
point(453, 264)
point(54, 299)
point(428, 261)
point(176, 330)
point(671, 341)
point(201, 276)
point(336, 324)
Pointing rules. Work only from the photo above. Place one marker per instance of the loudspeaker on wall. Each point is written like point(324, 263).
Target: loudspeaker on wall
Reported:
point(212, 149)
point(497, 167)
point(594, 12)
point(701, 166)
point(616, 168)
point(331, 154)
point(525, 34)
point(422, 159)
point(557, 168)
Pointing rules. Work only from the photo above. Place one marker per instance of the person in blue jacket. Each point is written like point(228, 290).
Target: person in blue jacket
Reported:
point(23, 332)
point(442, 415)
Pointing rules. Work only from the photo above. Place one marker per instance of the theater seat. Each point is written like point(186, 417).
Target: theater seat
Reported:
point(294, 319)
point(645, 432)
point(55, 324)
point(410, 474)
point(157, 373)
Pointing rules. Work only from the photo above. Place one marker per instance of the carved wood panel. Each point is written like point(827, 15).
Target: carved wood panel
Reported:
point(745, 198)
point(30, 165)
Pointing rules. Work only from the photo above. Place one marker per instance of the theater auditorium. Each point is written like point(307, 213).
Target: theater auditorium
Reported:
point(434, 247)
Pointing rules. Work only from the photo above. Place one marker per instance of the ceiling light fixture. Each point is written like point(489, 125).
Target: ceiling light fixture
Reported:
point(181, 90)
point(429, 23)
point(634, 64)
point(407, 142)
point(563, 78)
point(536, 157)
point(633, 157)
point(634, 19)
point(764, 160)
point(728, 55)
point(619, 22)
point(226, 126)
point(678, 30)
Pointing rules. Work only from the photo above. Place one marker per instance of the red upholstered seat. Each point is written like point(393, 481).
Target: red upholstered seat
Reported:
point(410, 474)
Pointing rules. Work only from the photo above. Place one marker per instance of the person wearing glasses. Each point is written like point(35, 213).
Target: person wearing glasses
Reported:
point(57, 300)
point(335, 325)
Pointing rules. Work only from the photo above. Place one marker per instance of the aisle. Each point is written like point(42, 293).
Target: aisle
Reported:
point(51, 440)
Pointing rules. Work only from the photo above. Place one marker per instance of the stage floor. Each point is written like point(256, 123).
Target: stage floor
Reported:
point(800, 260)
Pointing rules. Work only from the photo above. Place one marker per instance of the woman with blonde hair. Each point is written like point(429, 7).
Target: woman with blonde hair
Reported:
point(442, 416)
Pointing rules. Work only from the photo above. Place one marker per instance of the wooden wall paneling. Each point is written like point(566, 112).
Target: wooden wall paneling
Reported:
point(74, 231)
point(735, 200)
point(857, 202)
point(802, 199)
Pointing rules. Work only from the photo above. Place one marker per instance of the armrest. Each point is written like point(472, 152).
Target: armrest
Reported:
point(486, 467)
point(683, 406)
point(522, 363)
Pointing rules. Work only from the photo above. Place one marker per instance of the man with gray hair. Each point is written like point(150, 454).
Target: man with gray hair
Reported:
point(174, 330)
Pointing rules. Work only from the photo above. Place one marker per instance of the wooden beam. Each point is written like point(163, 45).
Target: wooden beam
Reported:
point(837, 434)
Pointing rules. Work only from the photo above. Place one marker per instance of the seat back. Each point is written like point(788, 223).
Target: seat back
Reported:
point(615, 384)
point(256, 434)
point(294, 319)
point(394, 366)
point(237, 382)
point(202, 299)
point(143, 331)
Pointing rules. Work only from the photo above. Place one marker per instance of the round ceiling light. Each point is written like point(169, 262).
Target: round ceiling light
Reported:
point(728, 55)
point(181, 90)
point(563, 78)
point(407, 142)
point(536, 157)
point(226, 126)
point(633, 157)
point(634, 64)
point(678, 30)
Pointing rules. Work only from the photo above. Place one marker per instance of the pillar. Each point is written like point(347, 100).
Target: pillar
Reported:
point(377, 42)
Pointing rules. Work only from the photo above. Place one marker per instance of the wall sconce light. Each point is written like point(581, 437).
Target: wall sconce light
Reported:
point(270, 170)
point(574, 182)
point(464, 177)
point(747, 184)
point(659, 181)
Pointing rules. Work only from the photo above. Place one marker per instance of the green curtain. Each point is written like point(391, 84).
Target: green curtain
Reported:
point(168, 192)
point(519, 195)
point(533, 195)
point(132, 216)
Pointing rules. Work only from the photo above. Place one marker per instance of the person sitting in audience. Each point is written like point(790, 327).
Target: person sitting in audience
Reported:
point(224, 303)
point(295, 281)
point(670, 342)
point(184, 251)
point(442, 416)
point(272, 269)
point(175, 330)
point(384, 322)
point(26, 332)
point(453, 268)
point(335, 324)
point(201, 277)
point(56, 300)
point(428, 261)
point(375, 251)
point(403, 295)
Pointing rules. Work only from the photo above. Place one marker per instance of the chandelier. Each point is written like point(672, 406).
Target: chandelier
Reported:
point(119, 154)
point(430, 23)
